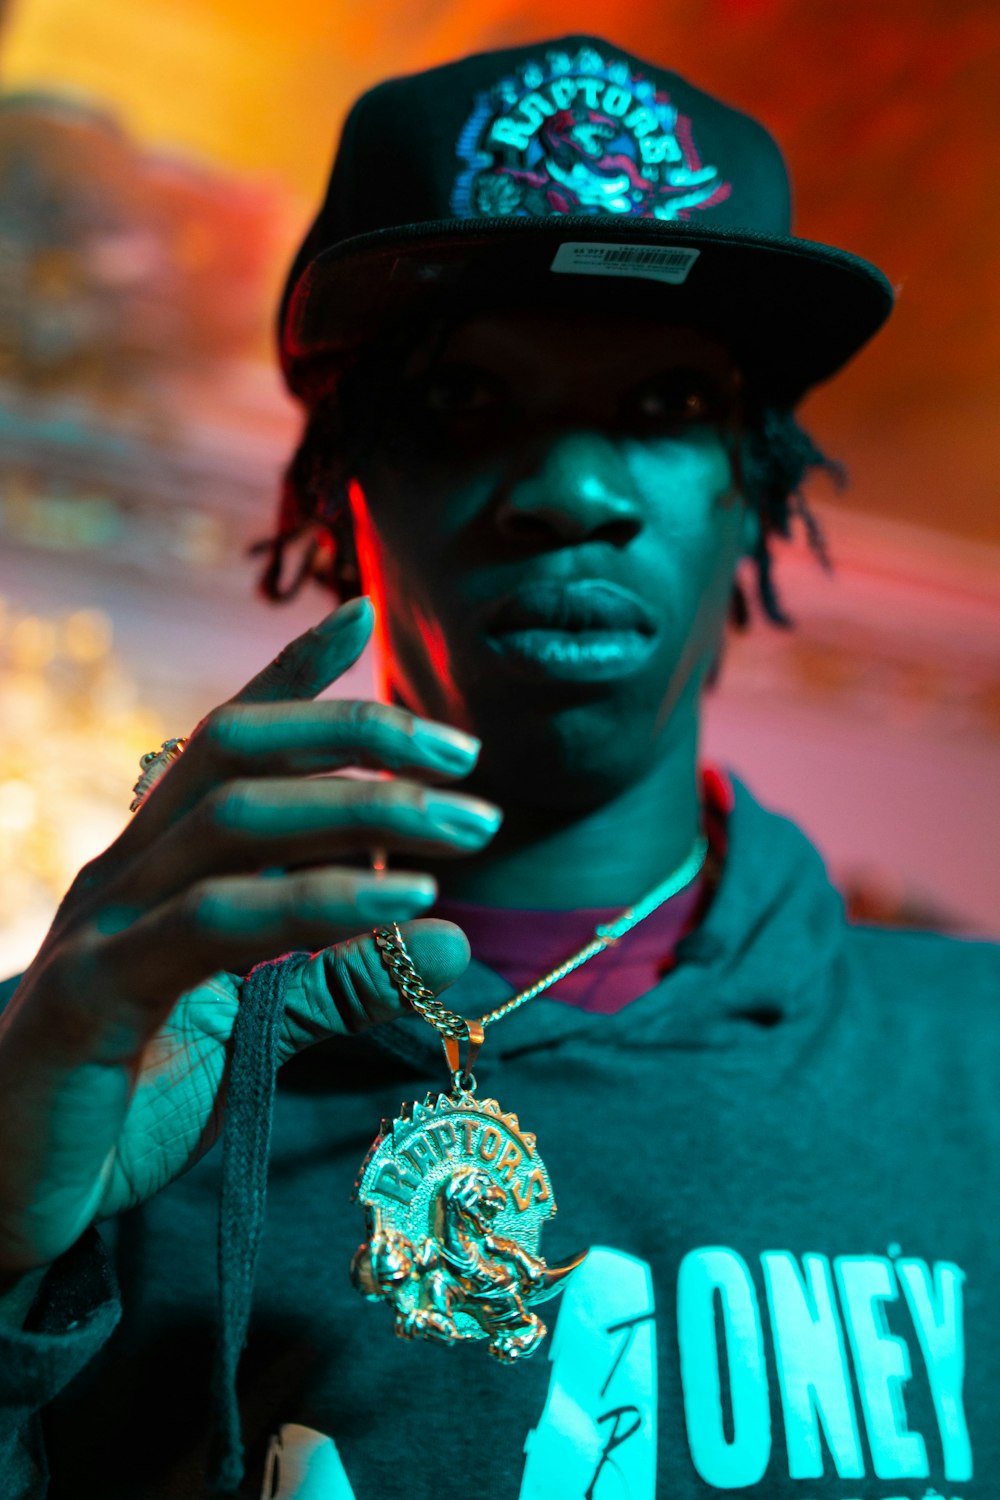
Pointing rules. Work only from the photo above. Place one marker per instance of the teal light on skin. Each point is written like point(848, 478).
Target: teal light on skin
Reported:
point(546, 444)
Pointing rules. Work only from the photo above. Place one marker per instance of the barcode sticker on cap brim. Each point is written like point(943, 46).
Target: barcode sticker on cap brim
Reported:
point(670, 263)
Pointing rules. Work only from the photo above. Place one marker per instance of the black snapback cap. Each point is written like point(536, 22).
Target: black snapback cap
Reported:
point(569, 173)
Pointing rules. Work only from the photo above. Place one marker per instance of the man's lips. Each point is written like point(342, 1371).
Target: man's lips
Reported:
point(580, 605)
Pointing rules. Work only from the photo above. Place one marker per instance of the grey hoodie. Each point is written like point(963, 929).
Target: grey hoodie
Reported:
point(782, 1159)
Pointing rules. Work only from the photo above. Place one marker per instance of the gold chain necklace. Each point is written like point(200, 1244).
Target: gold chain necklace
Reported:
point(454, 1191)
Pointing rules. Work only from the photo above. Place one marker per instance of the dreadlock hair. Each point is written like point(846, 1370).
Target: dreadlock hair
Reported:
point(772, 456)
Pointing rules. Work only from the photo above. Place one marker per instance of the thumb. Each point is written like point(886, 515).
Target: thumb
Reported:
point(347, 988)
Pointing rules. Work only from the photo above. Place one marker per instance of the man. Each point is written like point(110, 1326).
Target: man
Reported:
point(549, 329)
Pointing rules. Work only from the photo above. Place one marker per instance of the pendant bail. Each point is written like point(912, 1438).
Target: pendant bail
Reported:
point(461, 1073)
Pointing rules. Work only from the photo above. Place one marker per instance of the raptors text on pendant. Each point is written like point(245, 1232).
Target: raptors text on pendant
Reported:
point(455, 1198)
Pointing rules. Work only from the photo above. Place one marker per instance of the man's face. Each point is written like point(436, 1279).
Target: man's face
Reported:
point(550, 447)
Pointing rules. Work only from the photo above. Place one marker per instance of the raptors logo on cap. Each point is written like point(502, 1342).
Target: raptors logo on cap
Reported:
point(579, 135)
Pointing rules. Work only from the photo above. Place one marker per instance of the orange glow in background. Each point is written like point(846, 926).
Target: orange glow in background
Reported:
point(888, 113)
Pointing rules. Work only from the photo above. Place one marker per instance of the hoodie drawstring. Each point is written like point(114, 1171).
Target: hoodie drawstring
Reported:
point(249, 1107)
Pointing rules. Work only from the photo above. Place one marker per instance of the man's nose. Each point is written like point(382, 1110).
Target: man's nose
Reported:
point(572, 487)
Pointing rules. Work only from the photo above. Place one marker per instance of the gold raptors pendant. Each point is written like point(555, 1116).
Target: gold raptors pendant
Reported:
point(455, 1197)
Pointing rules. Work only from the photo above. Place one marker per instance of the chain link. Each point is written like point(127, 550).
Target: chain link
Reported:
point(410, 985)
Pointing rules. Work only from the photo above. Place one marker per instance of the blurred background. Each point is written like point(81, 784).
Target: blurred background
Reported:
point(157, 165)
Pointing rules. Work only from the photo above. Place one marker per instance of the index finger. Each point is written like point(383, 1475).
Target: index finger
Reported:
point(301, 670)
point(313, 660)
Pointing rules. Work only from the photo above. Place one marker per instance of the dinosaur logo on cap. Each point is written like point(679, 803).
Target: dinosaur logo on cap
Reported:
point(579, 135)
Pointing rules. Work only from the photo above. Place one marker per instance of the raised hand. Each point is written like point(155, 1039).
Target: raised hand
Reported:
point(113, 1050)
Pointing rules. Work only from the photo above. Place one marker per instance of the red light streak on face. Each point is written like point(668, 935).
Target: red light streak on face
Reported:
point(411, 652)
point(372, 579)
point(430, 685)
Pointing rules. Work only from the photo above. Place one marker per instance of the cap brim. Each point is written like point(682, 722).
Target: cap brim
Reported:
point(792, 311)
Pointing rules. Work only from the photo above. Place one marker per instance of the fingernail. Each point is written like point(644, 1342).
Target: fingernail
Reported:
point(349, 614)
point(386, 898)
point(450, 746)
point(465, 817)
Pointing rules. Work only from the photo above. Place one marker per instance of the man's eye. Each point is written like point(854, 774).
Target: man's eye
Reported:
point(679, 402)
point(456, 392)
